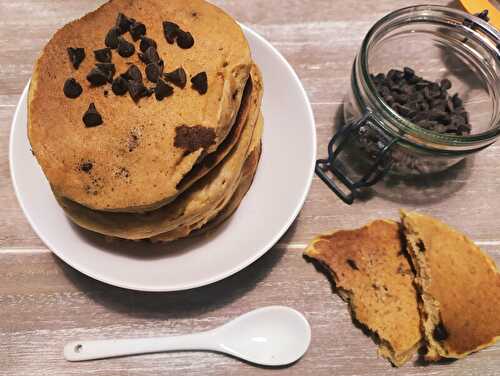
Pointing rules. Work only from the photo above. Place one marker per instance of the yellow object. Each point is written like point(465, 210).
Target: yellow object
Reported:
point(477, 6)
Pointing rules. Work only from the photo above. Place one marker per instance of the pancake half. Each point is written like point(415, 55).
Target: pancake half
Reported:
point(373, 275)
point(201, 198)
point(459, 286)
point(228, 206)
point(141, 151)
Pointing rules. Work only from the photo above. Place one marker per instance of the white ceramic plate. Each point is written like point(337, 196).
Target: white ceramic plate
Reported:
point(274, 200)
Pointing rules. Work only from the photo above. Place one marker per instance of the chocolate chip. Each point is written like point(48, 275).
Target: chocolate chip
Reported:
point(119, 86)
point(97, 77)
point(76, 56)
point(103, 55)
point(352, 264)
point(137, 90)
point(408, 73)
point(92, 118)
point(170, 31)
point(146, 43)
point(150, 56)
point(108, 69)
point(153, 72)
point(123, 23)
point(184, 39)
point(86, 167)
point(137, 29)
point(199, 83)
point(163, 90)
point(445, 84)
point(133, 73)
point(72, 89)
point(111, 39)
point(125, 48)
point(193, 138)
point(457, 102)
point(177, 77)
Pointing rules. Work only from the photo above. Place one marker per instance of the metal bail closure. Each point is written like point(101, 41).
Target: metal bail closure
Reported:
point(377, 171)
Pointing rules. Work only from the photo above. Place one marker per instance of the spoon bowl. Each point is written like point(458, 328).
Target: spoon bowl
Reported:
point(269, 336)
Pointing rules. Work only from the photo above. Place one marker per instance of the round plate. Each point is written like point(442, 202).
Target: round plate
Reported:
point(274, 200)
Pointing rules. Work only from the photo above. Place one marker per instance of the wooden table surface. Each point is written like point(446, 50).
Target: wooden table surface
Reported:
point(44, 303)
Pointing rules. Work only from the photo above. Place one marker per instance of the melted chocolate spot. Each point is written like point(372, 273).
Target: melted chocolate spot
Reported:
point(420, 245)
point(86, 167)
point(193, 138)
point(352, 264)
point(440, 333)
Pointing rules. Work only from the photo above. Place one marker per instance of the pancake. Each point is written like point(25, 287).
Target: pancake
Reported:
point(373, 275)
point(459, 286)
point(228, 206)
point(142, 150)
point(201, 198)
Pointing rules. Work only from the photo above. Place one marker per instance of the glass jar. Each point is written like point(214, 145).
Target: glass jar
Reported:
point(375, 141)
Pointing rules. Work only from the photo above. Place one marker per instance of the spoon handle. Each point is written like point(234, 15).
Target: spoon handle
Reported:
point(87, 350)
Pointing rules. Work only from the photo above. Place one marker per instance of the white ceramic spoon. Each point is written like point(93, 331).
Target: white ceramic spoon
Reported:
point(270, 336)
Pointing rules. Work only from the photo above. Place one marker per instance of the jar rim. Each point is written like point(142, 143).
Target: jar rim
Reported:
point(487, 33)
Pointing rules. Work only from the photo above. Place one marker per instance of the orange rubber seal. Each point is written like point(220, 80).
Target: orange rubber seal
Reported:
point(477, 6)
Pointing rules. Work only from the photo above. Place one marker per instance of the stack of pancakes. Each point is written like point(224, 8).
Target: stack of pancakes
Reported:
point(145, 118)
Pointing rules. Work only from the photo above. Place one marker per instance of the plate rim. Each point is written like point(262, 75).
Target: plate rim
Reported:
point(219, 276)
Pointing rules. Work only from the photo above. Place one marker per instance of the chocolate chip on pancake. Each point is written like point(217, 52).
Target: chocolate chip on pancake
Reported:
point(154, 71)
point(72, 89)
point(111, 39)
point(103, 55)
point(132, 74)
point(177, 77)
point(119, 86)
point(199, 83)
point(150, 56)
point(137, 90)
point(123, 23)
point(184, 39)
point(76, 56)
point(146, 43)
point(108, 69)
point(193, 138)
point(97, 77)
point(137, 29)
point(86, 167)
point(170, 30)
point(125, 48)
point(92, 118)
point(163, 90)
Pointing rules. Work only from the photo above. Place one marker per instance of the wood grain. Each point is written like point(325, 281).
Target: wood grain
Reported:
point(44, 303)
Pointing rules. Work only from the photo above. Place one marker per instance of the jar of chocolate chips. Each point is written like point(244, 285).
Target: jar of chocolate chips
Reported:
point(424, 95)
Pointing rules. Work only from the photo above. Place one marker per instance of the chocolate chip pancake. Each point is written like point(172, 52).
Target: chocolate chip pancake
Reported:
point(459, 286)
point(112, 139)
point(202, 198)
point(373, 275)
point(226, 207)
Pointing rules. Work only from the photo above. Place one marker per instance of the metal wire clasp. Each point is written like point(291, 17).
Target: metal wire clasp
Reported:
point(379, 168)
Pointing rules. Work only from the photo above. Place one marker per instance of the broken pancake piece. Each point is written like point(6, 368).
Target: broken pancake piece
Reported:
point(373, 275)
point(459, 286)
